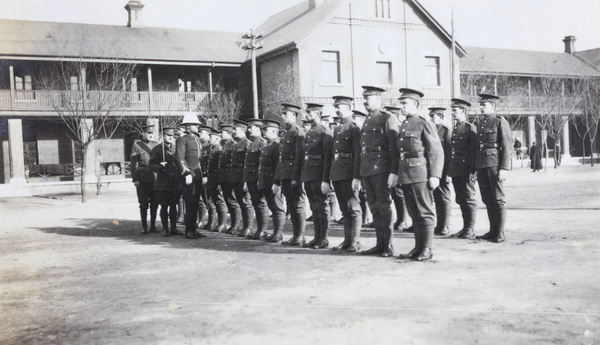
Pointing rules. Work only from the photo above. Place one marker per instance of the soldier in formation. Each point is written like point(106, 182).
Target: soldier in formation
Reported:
point(143, 177)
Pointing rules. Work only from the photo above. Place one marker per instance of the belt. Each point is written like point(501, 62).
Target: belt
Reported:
point(371, 149)
point(251, 164)
point(313, 157)
point(488, 145)
point(286, 157)
point(337, 156)
point(405, 155)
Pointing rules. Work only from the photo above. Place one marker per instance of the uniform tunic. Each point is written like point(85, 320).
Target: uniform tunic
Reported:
point(236, 175)
point(442, 195)
point(223, 177)
point(267, 165)
point(251, 163)
point(289, 167)
point(318, 145)
point(462, 164)
point(188, 153)
point(140, 158)
point(344, 168)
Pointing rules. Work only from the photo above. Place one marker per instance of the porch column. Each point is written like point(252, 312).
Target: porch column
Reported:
point(11, 72)
point(566, 146)
point(150, 95)
point(15, 148)
point(91, 154)
point(530, 131)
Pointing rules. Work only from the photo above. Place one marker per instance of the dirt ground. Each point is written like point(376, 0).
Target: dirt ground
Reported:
point(73, 273)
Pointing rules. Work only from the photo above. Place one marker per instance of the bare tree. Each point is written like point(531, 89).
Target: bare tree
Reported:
point(86, 92)
point(224, 106)
point(282, 88)
point(590, 118)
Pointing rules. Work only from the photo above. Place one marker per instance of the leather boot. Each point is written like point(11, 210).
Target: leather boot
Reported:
point(317, 226)
point(201, 213)
point(355, 227)
point(236, 217)
point(441, 228)
point(294, 220)
point(323, 232)
point(500, 215)
point(173, 220)
point(427, 238)
point(212, 219)
point(468, 215)
point(388, 235)
point(164, 220)
point(278, 223)
point(221, 216)
point(261, 225)
point(180, 211)
point(488, 235)
point(144, 219)
point(301, 223)
point(347, 234)
point(418, 244)
point(153, 212)
point(378, 249)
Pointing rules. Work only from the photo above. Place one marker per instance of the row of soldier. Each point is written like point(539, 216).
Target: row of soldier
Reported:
point(394, 155)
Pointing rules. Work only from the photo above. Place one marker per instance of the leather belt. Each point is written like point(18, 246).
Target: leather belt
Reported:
point(337, 156)
point(313, 157)
point(488, 146)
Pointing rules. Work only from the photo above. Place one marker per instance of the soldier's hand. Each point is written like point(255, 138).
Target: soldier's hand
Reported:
point(324, 188)
point(245, 187)
point(136, 183)
point(276, 189)
point(356, 184)
point(188, 179)
point(392, 180)
point(502, 175)
point(204, 180)
point(294, 183)
point(163, 163)
point(434, 182)
point(448, 179)
point(473, 177)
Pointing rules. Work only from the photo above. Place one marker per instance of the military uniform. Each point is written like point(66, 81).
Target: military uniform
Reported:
point(189, 151)
point(140, 158)
point(397, 194)
point(167, 187)
point(251, 164)
point(287, 175)
point(378, 136)
point(493, 154)
point(213, 190)
point(236, 178)
point(206, 204)
point(421, 156)
point(226, 186)
point(462, 167)
point(442, 195)
point(317, 152)
point(344, 168)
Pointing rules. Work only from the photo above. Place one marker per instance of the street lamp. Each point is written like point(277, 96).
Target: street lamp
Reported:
point(251, 43)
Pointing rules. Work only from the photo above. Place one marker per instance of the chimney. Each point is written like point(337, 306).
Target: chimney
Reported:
point(570, 44)
point(312, 4)
point(134, 9)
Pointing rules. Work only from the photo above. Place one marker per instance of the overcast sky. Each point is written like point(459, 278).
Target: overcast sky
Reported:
point(512, 24)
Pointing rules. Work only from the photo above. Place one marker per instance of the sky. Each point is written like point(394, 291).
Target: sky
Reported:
point(509, 24)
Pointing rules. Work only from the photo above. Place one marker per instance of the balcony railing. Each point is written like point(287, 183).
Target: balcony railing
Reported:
point(126, 101)
point(532, 105)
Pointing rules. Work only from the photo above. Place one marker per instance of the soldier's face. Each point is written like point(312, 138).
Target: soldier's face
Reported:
point(459, 114)
point(254, 131)
point(288, 117)
point(203, 135)
point(408, 106)
point(487, 108)
point(359, 121)
point(148, 136)
point(437, 119)
point(271, 133)
point(372, 102)
point(192, 128)
point(169, 138)
point(215, 139)
point(225, 135)
point(343, 110)
point(239, 132)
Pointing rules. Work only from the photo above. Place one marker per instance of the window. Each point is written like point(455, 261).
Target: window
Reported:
point(74, 83)
point(384, 73)
point(23, 83)
point(131, 85)
point(330, 67)
point(432, 71)
point(382, 8)
point(185, 85)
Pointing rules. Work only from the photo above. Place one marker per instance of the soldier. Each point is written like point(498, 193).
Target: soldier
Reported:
point(345, 173)
point(421, 159)
point(378, 136)
point(188, 152)
point(212, 186)
point(226, 187)
point(397, 195)
point(315, 174)
point(268, 161)
point(167, 186)
point(205, 202)
point(236, 176)
point(250, 178)
point(143, 177)
point(442, 194)
point(359, 119)
point(287, 175)
point(492, 162)
point(462, 166)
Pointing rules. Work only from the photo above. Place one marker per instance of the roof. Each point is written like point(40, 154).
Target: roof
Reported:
point(290, 27)
point(591, 56)
point(151, 44)
point(524, 62)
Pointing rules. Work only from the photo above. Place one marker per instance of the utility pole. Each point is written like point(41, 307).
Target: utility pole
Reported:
point(251, 43)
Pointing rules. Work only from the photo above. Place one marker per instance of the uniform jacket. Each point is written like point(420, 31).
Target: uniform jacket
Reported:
point(140, 158)
point(225, 161)
point(213, 165)
point(318, 145)
point(494, 143)
point(168, 177)
point(189, 151)
point(204, 157)
point(346, 152)
point(269, 157)
point(378, 136)
point(291, 155)
point(419, 151)
point(464, 145)
point(238, 155)
point(252, 159)
point(444, 135)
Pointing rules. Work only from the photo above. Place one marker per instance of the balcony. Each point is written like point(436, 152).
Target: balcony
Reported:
point(128, 103)
point(523, 105)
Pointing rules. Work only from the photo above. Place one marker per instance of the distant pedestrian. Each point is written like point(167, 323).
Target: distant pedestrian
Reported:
point(535, 154)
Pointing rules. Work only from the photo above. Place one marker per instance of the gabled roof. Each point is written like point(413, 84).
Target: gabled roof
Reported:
point(524, 62)
point(31, 39)
point(591, 56)
point(290, 27)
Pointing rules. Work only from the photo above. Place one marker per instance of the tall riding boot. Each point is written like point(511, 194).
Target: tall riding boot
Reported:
point(442, 213)
point(236, 217)
point(144, 219)
point(317, 238)
point(153, 212)
point(278, 223)
point(355, 226)
point(418, 243)
point(180, 210)
point(294, 220)
point(262, 219)
point(347, 234)
point(173, 220)
point(212, 219)
point(468, 216)
point(323, 232)
point(201, 214)
point(378, 249)
point(301, 221)
point(222, 216)
point(248, 217)
point(499, 228)
point(488, 235)
point(427, 243)
point(388, 235)
point(164, 220)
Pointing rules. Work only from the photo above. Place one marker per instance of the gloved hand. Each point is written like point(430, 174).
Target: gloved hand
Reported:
point(188, 179)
